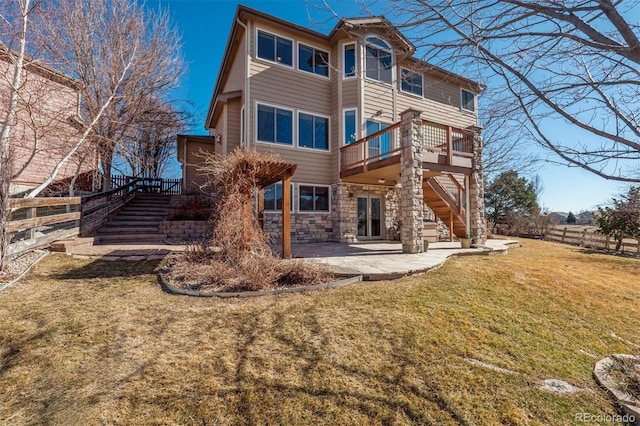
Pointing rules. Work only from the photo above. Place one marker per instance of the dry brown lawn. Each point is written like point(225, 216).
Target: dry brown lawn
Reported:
point(92, 342)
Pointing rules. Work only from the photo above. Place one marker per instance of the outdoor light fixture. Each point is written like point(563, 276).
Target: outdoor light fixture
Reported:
point(381, 180)
point(219, 138)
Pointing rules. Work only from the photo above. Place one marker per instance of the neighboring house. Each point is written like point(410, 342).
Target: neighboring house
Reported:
point(46, 122)
point(314, 98)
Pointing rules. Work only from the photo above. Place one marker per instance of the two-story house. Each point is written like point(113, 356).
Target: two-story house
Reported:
point(379, 137)
point(45, 124)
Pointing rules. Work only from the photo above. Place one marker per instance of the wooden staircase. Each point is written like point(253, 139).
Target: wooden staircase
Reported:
point(438, 196)
point(138, 222)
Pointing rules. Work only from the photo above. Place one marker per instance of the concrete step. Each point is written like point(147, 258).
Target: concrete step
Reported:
point(138, 238)
point(129, 230)
point(145, 213)
point(63, 246)
point(133, 221)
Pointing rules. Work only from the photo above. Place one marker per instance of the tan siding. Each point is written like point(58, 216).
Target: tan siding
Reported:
point(237, 73)
point(350, 97)
point(378, 97)
point(44, 109)
point(313, 167)
point(233, 124)
point(440, 104)
point(221, 129)
point(336, 119)
point(193, 178)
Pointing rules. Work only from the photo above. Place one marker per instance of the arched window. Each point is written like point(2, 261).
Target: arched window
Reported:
point(379, 59)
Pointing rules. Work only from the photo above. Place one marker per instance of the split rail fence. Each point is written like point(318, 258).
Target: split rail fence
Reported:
point(588, 237)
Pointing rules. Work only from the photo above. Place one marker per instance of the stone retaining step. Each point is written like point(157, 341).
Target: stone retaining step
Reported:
point(132, 238)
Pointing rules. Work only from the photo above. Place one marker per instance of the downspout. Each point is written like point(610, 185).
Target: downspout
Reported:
point(247, 88)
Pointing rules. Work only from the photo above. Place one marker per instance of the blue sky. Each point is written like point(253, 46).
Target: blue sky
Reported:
point(205, 25)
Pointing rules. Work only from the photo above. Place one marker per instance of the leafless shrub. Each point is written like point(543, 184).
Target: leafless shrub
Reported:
point(240, 258)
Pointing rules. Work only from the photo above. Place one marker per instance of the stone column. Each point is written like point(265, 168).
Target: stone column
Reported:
point(411, 204)
point(344, 213)
point(478, 231)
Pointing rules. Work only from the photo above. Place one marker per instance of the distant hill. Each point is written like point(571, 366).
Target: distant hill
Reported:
point(582, 218)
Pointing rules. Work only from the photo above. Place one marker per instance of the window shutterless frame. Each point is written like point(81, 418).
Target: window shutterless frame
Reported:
point(274, 124)
point(274, 48)
point(313, 60)
point(410, 81)
point(468, 101)
point(314, 130)
point(349, 54)
point(314, 198)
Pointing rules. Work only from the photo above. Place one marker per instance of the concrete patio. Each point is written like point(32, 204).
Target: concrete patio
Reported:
point(384, 260)
point(375, 260)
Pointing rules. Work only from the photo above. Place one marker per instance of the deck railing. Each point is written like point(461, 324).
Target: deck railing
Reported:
point(447, 140)
point(374, 147)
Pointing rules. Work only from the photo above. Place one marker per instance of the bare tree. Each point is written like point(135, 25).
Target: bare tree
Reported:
point(125, 57)
point(6, 165)
point(571, 64)
point(149, 145)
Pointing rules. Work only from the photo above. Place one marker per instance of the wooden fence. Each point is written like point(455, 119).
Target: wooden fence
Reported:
point(588, 237)
point(40, 221)
point(37, 222)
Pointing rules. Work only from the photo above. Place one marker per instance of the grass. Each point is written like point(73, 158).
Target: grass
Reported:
point(100, 343)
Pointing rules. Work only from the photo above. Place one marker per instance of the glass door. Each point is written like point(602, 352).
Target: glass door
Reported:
point(369, 217)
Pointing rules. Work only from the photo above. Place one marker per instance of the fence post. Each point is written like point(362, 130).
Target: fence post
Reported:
point(606, 243)
point(583, 240)
point(31, 213)
point(564, 233)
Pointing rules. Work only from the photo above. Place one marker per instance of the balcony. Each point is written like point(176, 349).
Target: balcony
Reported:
point(375, 159)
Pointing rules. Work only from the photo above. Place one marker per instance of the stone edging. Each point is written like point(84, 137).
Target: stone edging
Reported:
point(23, 273)
point(243, 294)
point(629, 404)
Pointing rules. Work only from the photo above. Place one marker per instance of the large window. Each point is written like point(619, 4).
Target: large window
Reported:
point(379, 59)
point(313, 198)
point(468, 100)
point(380, 144)
point(275, 125)
point(411, 82)
point(275, 48)
point(313, 60)
point(313, 131)
point(350, 130)
point(349, 60)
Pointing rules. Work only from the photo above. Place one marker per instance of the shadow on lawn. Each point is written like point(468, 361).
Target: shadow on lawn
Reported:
point(110, 269)
point(398, 396)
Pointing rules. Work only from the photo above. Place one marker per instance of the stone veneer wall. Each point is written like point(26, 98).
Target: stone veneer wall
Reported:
point(186, 230)
point(345, 209)
point(305, 227)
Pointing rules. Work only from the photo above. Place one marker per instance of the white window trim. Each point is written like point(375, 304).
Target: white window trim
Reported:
point(293, 125)
point(344, 126)
point(475, 102)
point(325, 151)
point(299, 211)
point(297, 60)
point(293, 49)
point(364, 59)
point(355, 58)
point(421, 95)
point(293, 204)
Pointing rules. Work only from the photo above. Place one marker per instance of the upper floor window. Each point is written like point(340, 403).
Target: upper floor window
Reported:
point(274, 125)
point(349, 60)
point(411, 82)
point(350, 133)
point(379, 59)
point(275, 48)
point(468, 100)
point(313, 131)
point(313, 198)
point(313, 60)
